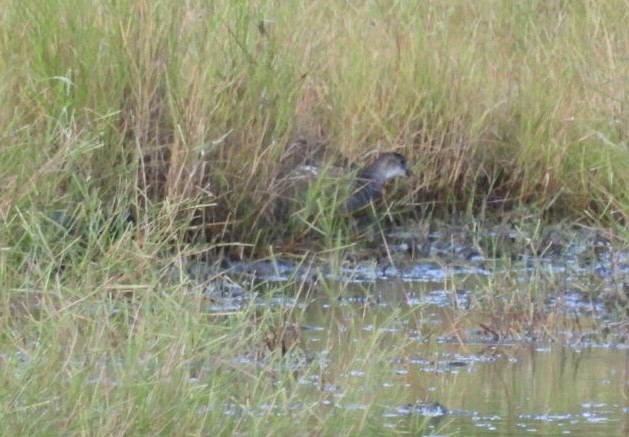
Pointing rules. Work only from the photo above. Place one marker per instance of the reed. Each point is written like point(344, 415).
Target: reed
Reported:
point(495, 104)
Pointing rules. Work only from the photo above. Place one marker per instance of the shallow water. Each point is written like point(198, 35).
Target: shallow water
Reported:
point(463, 345)
point(488, 388)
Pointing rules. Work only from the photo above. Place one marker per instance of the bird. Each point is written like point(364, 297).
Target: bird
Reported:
point(367, 186)
point(304, 162)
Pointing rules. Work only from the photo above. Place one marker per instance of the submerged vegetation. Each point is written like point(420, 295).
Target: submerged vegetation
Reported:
point(137, 136)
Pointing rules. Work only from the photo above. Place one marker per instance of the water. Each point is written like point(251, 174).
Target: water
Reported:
point(489, 388)
point(458, 343)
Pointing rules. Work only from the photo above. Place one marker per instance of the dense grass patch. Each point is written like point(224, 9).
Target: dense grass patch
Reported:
point(499, 102)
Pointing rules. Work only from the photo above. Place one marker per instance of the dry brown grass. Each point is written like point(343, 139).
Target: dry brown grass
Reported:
point(193, 107)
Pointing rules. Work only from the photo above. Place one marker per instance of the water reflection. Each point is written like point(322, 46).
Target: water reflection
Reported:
point(493, 334)
point(488, 388)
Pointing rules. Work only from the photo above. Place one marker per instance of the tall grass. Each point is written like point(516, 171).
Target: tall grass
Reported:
point(129, 129)
point(514, 103)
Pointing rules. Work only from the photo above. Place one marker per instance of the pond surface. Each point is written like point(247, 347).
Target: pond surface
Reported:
point(488, 388)
point(457, 345)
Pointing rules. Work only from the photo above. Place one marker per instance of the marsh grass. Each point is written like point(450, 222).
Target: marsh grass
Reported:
point(137, 134)
point(184, 101)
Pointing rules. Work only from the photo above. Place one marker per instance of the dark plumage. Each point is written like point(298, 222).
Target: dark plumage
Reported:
point(304, 162)
point(370, 180)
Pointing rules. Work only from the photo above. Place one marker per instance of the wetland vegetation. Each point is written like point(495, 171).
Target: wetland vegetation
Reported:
point(161, 272)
